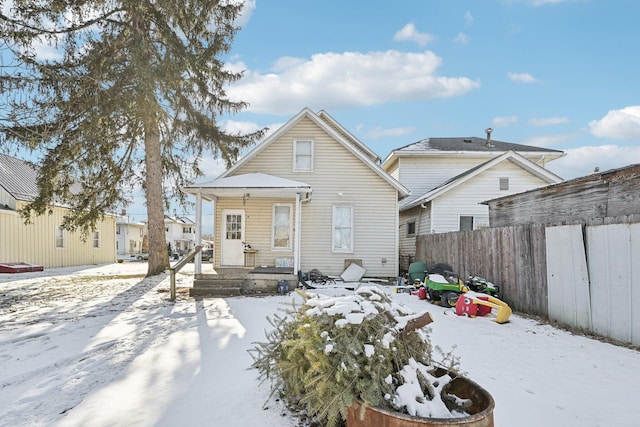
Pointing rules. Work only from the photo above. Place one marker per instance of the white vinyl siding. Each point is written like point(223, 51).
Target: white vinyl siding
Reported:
point(466, 198)
point(282, 227)
point(303, 156)
point(342, 229)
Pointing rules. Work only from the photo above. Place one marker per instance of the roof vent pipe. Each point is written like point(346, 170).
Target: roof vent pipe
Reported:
point(488, 131)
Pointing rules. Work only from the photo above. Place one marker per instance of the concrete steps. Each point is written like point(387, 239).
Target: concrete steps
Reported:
point(238, 281)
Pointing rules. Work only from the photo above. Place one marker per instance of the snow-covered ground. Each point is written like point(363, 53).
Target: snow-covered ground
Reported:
point(103, 346)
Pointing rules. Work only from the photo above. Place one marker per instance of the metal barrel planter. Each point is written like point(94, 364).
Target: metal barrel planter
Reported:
point(480, 412)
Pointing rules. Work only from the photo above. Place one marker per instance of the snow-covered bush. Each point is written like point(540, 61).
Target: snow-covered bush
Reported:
point(332, 351)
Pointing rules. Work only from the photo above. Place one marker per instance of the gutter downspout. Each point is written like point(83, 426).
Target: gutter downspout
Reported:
point(297, 239)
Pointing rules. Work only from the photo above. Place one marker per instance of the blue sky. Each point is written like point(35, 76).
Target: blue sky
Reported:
point(550, 73)
point(560, 74)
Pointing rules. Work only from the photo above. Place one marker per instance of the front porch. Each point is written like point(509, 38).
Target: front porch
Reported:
point(229, 281)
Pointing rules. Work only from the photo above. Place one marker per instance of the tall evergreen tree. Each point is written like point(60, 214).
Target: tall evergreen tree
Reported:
point(130, 97)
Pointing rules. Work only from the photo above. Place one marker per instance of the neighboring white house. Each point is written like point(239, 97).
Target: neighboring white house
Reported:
point(450, 177)
point(130, 236)
point(181, 233)
point(310, 196)
point(44, 241)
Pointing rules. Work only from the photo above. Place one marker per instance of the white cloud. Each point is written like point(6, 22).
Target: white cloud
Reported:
point(583, 160)
point(621, 124)
point(504, 121)
point(378, 132)
point(522, 77)
point(551, 141)
point(549, 121)
point(410, 33)
point(468, 18)
point(246, 13)
point(340, 80)
point(461, 38)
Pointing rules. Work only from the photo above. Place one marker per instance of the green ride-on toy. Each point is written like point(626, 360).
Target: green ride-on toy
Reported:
point(444, 288)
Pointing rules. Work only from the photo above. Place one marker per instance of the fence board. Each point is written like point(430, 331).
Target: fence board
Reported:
point(611, 253)
point(567, 277)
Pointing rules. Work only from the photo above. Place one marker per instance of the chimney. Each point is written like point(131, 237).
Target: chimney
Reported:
point(488, 131)
point(124, 212)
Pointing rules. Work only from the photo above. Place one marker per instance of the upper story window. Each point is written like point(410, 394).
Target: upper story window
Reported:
point(187, 230)
point(302, 156)
point(96, 239)
point(504, 183)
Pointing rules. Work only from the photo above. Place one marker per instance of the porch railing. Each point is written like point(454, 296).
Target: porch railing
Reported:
point(178, 266)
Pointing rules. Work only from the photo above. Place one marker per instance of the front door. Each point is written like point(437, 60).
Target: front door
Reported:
point(232, 251)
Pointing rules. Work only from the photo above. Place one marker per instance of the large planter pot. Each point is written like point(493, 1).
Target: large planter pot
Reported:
point(481, 411)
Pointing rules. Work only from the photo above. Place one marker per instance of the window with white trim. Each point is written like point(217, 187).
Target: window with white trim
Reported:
point(59, 237)
point(466, 223)
point(504, 184)
point(411, 228)
point(342, 229)
point(96, 239)
point(302, 156)
point(282, 227)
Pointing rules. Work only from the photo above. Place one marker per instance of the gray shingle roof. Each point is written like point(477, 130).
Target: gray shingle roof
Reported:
point(470, 143)
point(18, 178)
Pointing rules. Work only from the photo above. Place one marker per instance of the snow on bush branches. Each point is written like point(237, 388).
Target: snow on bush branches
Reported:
point(331, 351)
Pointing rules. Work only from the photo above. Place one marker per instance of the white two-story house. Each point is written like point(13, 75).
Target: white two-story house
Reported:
point(450, 177)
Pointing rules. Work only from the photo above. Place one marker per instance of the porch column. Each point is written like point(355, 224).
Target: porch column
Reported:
point(198, 260)
point(296, 236)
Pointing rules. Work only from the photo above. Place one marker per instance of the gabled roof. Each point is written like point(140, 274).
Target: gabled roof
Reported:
point(337, 132)
point(452, 183)
point(178, 220)
point(470, 146)
point(18, 178)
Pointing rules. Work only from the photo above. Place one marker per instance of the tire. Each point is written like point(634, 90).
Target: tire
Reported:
point(139, 258)
point(449, 299)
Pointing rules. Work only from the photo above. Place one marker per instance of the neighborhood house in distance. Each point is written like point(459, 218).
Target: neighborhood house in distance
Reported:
point(449, 178)
point(44, 242)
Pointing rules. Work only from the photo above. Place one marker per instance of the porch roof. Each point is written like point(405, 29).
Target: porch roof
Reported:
point(256, 184)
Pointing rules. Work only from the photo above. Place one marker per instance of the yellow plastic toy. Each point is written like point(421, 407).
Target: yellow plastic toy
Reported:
point(473, 304)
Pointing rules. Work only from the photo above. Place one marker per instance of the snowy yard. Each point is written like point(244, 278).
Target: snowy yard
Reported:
point(102, 346)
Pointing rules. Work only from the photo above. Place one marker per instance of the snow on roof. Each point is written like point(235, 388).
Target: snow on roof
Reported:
point(252, 180)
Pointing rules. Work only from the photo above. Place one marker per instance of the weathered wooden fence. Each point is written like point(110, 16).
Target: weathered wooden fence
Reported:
point(512, 257)
point(584, 276)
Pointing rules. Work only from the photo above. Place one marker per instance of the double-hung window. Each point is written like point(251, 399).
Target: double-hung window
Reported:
point(303, 156)
point(342, 229)
point(59, 237)
point(96, 239)
point(281, 239)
